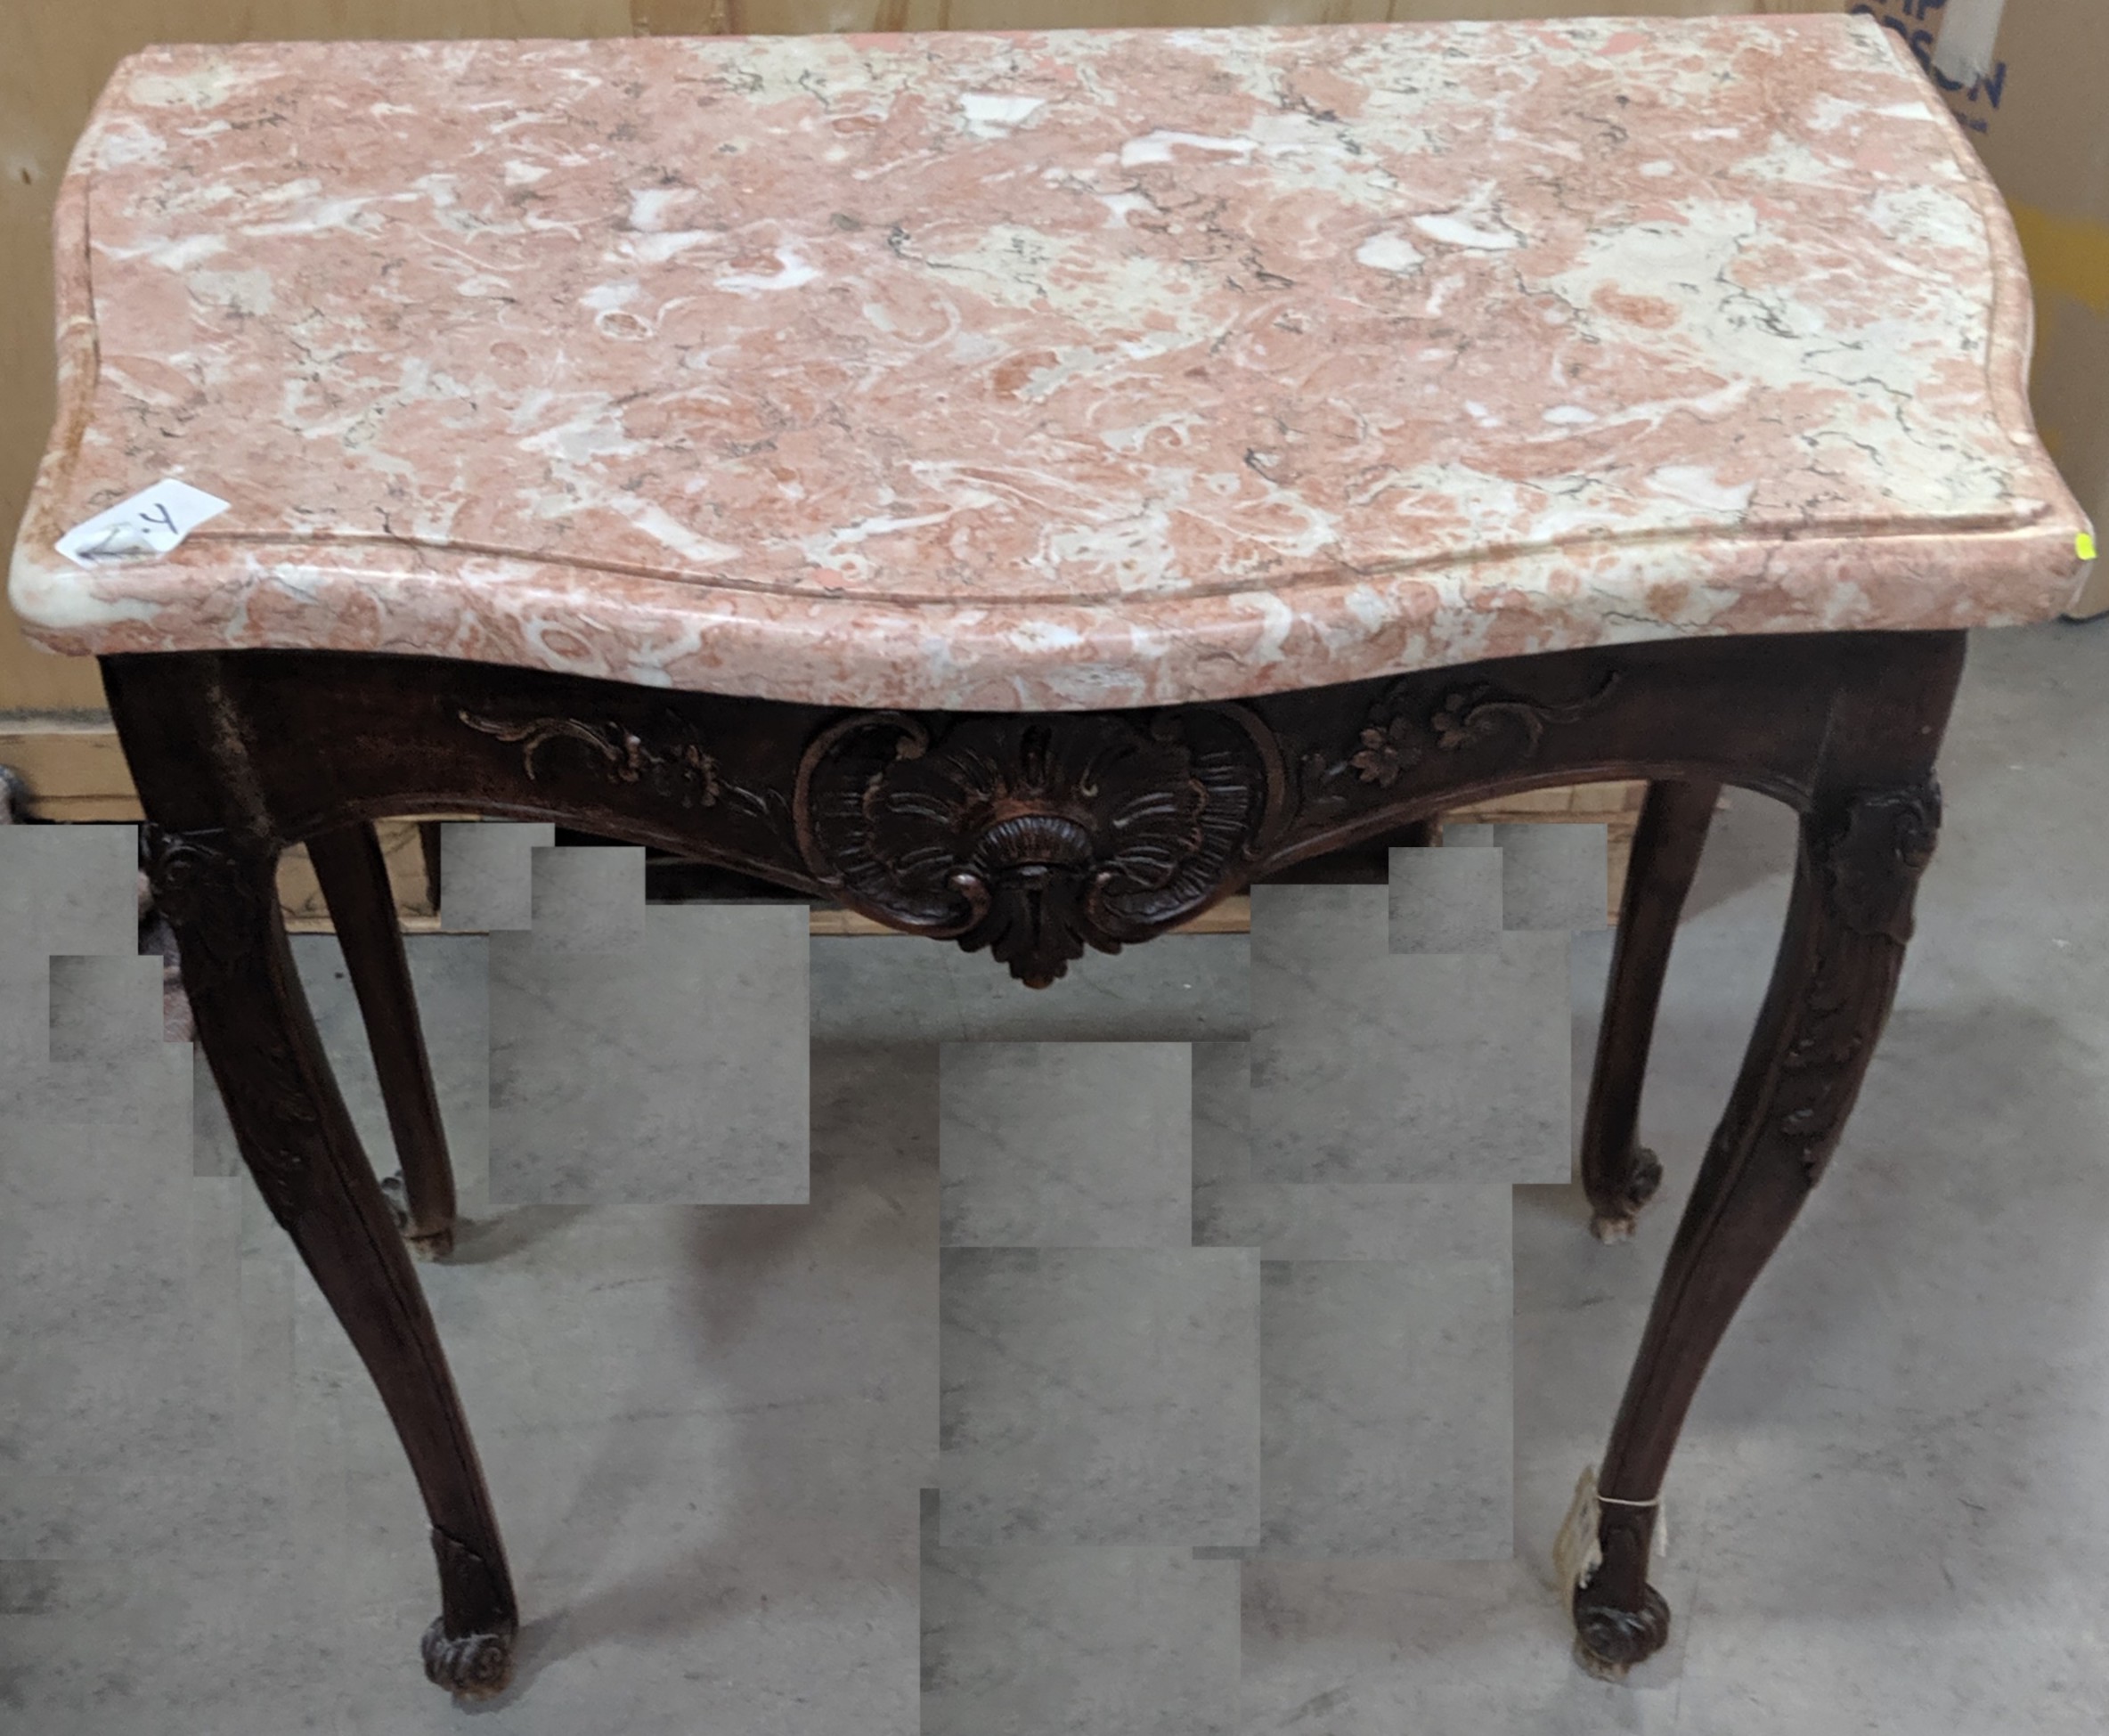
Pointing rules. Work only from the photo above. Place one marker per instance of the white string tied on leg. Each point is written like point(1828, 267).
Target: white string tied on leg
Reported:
point(1577, 1552)
point(1662, 1520)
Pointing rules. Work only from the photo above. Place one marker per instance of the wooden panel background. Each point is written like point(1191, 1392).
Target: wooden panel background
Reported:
point(56, 55)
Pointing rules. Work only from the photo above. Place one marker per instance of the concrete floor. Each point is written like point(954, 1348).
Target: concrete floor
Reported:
point(709, 1429)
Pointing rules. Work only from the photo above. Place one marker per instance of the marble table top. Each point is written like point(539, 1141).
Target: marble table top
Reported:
point(1051, 371)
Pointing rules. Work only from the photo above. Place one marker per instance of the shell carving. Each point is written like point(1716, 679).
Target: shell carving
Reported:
point(1035, 838)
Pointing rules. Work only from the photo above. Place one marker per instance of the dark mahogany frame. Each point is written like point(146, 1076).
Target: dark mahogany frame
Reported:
point(1033, 836)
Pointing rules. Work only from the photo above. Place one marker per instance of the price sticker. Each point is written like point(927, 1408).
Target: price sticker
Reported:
point(145, 527)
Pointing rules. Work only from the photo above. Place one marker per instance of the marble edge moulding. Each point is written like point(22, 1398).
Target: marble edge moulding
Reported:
point(987, 653)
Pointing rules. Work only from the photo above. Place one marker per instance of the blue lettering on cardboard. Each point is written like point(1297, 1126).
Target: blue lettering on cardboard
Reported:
point(1969, 103)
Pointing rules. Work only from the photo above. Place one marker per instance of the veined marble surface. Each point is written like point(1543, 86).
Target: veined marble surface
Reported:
point(1046, 370)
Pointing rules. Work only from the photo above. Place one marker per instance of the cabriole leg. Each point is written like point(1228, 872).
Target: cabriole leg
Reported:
point(220, 896)
point(355, 880)
point(1847, 925)
point(1620, 1175)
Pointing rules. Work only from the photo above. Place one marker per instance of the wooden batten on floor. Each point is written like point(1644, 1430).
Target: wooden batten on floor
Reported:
point(1615, 807)
point(73, 766)
point(412, 857)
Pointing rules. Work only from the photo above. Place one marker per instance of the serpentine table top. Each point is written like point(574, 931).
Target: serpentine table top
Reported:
point(888, 395)
point(1055, 370)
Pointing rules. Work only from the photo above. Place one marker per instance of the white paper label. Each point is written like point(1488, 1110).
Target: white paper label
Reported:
point(1970, 32)
point(1575, 1553)
point(150, 524)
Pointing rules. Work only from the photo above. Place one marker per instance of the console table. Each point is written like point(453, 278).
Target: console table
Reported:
point(1026, 487)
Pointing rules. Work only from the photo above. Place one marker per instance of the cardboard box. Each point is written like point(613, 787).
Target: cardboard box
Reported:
point(2025, 79)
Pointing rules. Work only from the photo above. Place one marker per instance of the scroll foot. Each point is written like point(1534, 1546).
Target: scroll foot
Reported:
point(472, 1665)
point(1609, 1640)
point(436, 1246)
point(1644, 1175)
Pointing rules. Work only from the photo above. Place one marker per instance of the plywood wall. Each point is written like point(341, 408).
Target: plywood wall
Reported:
point(55, 54)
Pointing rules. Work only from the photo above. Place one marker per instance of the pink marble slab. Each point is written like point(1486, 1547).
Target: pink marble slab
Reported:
point(1047, 370)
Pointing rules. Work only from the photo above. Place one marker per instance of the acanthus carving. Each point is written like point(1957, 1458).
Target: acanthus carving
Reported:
point(673, 765)
point(1476, 713)
point(194, 876)
point(1399, 734)
point(1874, 852)
point(663, 756)
point(1038, 836)
point(220, 899)
point(1868, 857)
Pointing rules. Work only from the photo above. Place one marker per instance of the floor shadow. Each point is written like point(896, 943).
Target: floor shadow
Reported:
point(507, 1231)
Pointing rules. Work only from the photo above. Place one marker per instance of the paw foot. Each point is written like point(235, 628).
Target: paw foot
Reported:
point(474, 1666)
point(1608, 1642)
point(1616, 1223)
